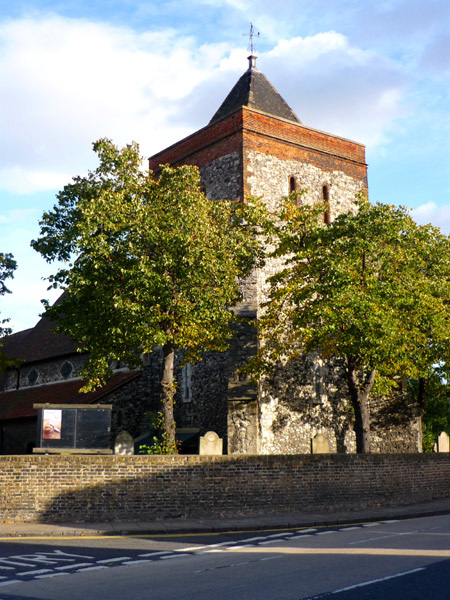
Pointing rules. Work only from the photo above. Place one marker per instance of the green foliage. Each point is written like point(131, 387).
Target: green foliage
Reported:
point(149, 262)
point(162, 444)
point(7, 267)
point(372, 289)
point(436, 416)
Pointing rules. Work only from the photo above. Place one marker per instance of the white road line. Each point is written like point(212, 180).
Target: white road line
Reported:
point(10, 581)
point(191, 549)
point(253, 539)
point(135, 562)
point(352, 587)
point(150, 554)
point(8, 561)
point(371, 524)
point(299, 537)
point(350, 528)
point(325, 532)
point(381, 537)
point(391, 521)
point(306, 530)
point(242, 546)
point(270, 558)
point(73, 566)
point(111, 560)
point(175, 556)
point(35, 572)
point(278, 535)
point(51, 575)
point(87, 569)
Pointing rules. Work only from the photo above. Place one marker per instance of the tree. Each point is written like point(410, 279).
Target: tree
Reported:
point(148, 262)
point(7, 267)
point(371, 290)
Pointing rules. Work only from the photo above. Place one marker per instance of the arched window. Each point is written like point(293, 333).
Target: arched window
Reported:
point(326, 201)
point(293, 187)
point(292, 184)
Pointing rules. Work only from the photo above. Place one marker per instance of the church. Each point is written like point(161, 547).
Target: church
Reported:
point(254, 145)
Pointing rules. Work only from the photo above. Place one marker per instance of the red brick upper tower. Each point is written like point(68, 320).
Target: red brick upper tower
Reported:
point(254, 118)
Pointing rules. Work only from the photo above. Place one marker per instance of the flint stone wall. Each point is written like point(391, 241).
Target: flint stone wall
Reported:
point(114, 488)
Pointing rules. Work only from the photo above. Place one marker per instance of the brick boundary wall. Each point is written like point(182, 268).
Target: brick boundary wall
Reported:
point(112, 488)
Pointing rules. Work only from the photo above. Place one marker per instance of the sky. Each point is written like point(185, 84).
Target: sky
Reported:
point(150, 71)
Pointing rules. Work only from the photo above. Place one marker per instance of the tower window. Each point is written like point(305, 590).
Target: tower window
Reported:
point(186, 381)
point(292, 185)
point(326, 202)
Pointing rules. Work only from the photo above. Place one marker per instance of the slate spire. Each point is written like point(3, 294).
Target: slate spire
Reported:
point(254, 90)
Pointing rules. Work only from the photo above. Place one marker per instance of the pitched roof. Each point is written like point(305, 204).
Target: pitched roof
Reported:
point(254, 90)
point(39, 343)
point(16, 404)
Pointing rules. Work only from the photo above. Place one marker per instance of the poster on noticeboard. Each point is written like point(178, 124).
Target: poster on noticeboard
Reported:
point(52, 421)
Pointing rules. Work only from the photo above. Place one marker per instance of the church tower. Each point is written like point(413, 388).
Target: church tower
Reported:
point(255, 145)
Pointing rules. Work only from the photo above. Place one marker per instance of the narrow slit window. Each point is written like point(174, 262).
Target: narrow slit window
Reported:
point(292, 185)
point(326, 201)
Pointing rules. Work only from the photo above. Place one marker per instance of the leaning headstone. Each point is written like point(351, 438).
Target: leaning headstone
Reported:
point(320, 444)
point(124, 443)
point(443, 444)
point(211, 444)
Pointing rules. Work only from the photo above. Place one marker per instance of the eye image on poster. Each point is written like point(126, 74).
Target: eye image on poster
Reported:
point(51, 424)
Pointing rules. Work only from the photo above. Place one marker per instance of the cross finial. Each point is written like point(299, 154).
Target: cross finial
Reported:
point(251, 35)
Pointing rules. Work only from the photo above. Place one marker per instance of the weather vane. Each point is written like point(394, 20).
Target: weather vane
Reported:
point(251, 35)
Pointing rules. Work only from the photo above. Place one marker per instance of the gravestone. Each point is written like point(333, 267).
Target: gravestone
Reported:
point(211, 444)
point(442, 444)
point(320, 444)
point(124, 443)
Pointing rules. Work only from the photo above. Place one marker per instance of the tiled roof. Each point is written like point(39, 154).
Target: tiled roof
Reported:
point(254, 90)
point(17, 404)
point(38, 343)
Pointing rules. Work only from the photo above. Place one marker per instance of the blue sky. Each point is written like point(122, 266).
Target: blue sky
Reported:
point(72, 71)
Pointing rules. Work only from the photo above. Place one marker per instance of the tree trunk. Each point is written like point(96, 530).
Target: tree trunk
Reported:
point(359, 395)
point(168, 393)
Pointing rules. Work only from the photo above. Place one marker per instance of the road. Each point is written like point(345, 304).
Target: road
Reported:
point(384, 560)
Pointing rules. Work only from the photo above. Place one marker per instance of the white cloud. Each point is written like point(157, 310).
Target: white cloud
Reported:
point(430, 212)
point(64, 83)
point(337, 87)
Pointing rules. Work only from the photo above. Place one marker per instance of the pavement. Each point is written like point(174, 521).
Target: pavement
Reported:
point(213, 525)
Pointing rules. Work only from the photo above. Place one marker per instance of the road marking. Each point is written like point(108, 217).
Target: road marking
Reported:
point(151, 554)
point(112, 560)
point(8, 561)
point(370, 524)
point(358, 585)
point(9, 582)
point(306, 530)
point(278, 535)
point(175, 556)
point(391, 521)
point(324, 532)
point(51, 575)
point(87, 569)
point(35, 572)
point(134, 562)
point(268, 542)
point(350, 528)
point(74, 566)
point(299, 537)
